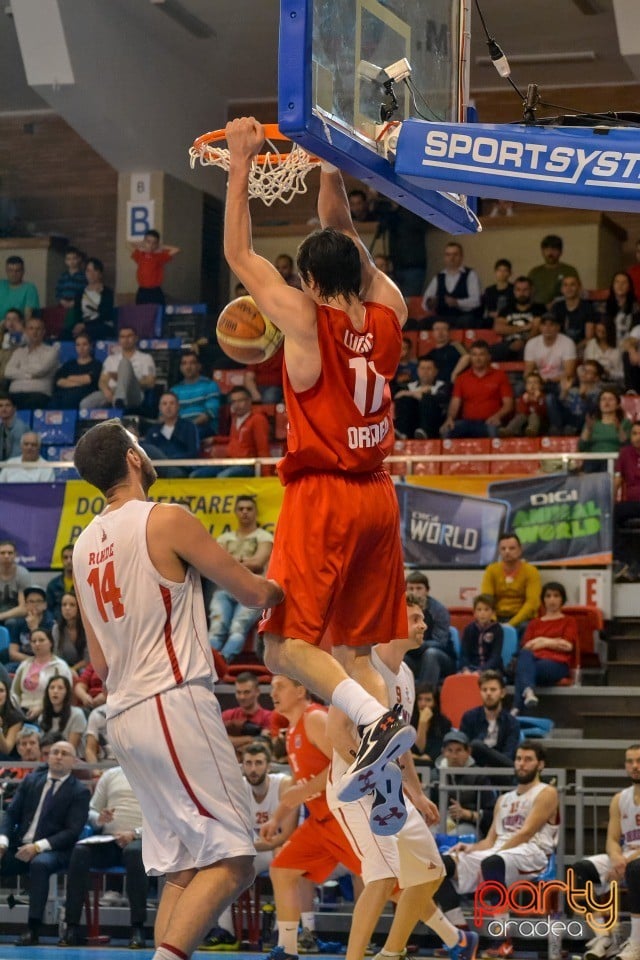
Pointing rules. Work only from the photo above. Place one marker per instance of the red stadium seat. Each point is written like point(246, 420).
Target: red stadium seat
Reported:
point(53, 319)
point(415, 308)
point(460, 692)
point(463, 448)
point(489, 336)
point(227, 379)
point(429, 448)
point(559, 444)
point(425, 342)
point(515, 446)
point(590, 622)
point(461, 617)
point(280, 430)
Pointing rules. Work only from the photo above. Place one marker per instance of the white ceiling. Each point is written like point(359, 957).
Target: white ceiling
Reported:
point(145, 86)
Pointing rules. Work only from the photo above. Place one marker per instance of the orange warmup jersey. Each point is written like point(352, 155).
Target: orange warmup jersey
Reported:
point(343, 423)
point(307, 761)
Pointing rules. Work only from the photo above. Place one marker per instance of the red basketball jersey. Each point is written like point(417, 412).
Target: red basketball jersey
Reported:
point(307, 761)
point(343, 423)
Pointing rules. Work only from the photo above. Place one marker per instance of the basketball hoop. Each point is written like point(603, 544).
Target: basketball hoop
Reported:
point(274, 175)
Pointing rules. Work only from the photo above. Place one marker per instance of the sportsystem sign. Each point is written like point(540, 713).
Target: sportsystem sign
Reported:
point(595, 168)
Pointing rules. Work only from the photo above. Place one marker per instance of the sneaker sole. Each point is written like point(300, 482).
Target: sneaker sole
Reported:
point(389, 812)
point(360, 782)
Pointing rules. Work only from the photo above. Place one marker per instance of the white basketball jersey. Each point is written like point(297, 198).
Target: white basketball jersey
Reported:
point(401, 686)
point(513, 810)
point(153, 632)
point(629, 820)
point(263, 811)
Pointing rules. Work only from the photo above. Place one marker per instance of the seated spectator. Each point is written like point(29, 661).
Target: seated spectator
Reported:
point(627, 508)
point(72, 280)
point(581, 400)
point(28, 750)
point(469, 809)
point(359, 206)
point(249, 719)
point(285, 267)
point(421, 405)
point(89, 689)
point(498, 296)
point(172, 439)
point(249, 437)
point(407, 369)
point(602, 347)
point(12, 428)
point(14, 580)
point(264, 380)
point(436, 657)
point(58, 716)
point(634, 273)
point(76, 379)
point(575, 314)
point(548, 276)
point(455, 293)
point(11, 337)
point(449, 356)
point(630, 348)
point(151, 259)
point(230, 621)
point(431, 725)
point(482, 398)
point(62, 583)
point(39, 829)
point(126, 374)
point(36, 615)
point(545, 652)
point(530, 417)
point(33, 674)
point(93, 310)
point(621, 306)
point(96, 746)
point(11, 723)
point(31, 368)
point(517, 323)
point(604, 432)
point(199, 397)
point(513, 583)
point(16, 293)
point(553, 355)
point(68, 634)
point(481, 641)
point(493, 732)
point(15, 470)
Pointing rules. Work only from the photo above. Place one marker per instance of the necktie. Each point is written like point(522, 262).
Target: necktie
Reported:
point(41, 828)
point(4, 443)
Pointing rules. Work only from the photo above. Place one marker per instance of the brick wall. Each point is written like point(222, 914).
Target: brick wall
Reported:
point(59, 185)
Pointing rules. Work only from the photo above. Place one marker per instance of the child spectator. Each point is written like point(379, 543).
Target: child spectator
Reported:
point(498, 296)
point(531, 411)
point(482, 638)
point(71, 281)
point(582, 399)
point(151, 259)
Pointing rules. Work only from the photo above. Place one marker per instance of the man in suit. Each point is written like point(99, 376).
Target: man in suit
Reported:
point(40, 827)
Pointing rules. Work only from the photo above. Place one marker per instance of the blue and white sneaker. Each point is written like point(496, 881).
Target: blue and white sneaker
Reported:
point(279, 953)
point(380, 742)
point(389, 812)
point(467, 946)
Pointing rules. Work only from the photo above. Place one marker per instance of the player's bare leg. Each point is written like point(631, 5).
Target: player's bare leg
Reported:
point(416, 903)
point(366, 912)
point(286, 893)
point(192, 898)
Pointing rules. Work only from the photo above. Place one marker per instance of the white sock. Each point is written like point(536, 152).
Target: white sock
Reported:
point(288, 936)
point(166, 952)
point(358, 705)
point(443, 928)
point(635, 930)
point(308, 920)
point(225, 920)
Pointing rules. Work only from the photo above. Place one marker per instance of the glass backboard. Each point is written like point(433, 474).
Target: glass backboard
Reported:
point(333, 62)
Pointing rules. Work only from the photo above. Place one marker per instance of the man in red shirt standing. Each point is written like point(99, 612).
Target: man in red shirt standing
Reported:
point(249, 437)
point(482, 398)
point(628, 508)
point(248, 720)
point(151, 259)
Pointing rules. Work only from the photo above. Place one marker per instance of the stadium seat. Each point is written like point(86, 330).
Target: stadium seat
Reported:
point(53, 319)
point(515, 446)
point(462, 448)
point(415, 309)
point(455, 640)
point(281, 421)
point(87, 418)
point(460, 692)
point(55, 426)
point(460, 617)
point(429, 448)
point(228, 379)
point(559, 444)
point(4, 641)
point(509, 643)
point(425, 342)
point(26, 416)
point(489, 336)
point(259, 669)
point(590, 622)
point(144, 318)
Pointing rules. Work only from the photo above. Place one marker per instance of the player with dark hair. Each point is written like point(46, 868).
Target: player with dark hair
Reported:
point(137, 573)
point(342, 344)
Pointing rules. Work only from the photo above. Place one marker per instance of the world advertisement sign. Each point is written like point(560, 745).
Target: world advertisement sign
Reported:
point(598, 169)
point(560, 518)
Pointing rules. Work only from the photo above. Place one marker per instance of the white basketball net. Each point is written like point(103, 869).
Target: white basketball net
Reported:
point(280, 177)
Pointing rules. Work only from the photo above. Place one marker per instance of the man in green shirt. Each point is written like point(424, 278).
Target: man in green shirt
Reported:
point(15, 292)
point(547, 277)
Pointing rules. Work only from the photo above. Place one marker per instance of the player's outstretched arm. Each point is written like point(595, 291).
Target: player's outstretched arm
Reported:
point(333, 210)
point(284, 305)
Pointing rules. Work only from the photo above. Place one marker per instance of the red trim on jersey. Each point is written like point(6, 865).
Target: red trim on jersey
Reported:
point(172, 949)
point(168, 639)
point(174, 756)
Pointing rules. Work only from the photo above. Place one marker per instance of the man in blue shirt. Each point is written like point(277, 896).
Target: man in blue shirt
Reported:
point(198, 396)
point(174, 438)
point(493, 733)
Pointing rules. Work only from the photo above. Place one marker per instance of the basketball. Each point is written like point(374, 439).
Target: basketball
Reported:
point(245, 334)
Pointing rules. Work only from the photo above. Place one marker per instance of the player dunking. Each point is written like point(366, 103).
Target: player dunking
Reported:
point(136, 572)
point(337, 549)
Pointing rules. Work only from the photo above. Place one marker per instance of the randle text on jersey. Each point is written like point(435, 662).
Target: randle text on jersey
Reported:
point(105, 554)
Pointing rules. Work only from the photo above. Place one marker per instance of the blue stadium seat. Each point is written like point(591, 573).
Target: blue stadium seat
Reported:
point(457, 646)
point(509, 643)
point(55, 426)
point(176, 309)
point(25, 416)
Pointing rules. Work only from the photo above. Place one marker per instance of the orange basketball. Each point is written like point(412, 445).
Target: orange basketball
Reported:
point(245, 334)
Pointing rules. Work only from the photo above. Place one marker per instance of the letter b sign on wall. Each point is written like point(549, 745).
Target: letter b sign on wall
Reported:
point(140, 218)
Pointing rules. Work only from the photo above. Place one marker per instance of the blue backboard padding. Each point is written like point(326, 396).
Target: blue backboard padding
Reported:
point(594, 169)
point(297, 121)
